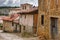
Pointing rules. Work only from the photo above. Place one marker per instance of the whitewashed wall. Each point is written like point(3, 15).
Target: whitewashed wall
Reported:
point(29, 26)
point(27, 22)
point(22, 20)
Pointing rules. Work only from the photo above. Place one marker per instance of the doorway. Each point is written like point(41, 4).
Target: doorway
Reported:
point(20, 28)
point(54, 27)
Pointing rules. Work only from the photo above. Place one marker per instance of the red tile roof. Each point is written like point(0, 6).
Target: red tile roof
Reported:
point(1, 17)
point(29, 10)
point(11, 18)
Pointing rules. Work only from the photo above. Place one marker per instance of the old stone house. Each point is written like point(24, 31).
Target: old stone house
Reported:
point(28, 19)
point(17, 25)
point(10, 23)
point(26, 6)
point(1, 22)
point(49, 19)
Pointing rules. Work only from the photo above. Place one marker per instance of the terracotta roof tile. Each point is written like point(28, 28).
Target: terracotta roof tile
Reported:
point(11, 18)
point(1, 17)
point(26, 4)
point(29, 10)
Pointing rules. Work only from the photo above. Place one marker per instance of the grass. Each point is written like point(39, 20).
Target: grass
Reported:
point(25, 34)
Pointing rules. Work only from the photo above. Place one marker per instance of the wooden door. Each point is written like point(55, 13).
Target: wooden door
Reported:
point(35, 23)
point(54, 27)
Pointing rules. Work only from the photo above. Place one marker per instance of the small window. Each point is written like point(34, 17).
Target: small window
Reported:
point(25, 16)
point(25, 7)
point(24, 28)
point(42, 19)
point(12, 24)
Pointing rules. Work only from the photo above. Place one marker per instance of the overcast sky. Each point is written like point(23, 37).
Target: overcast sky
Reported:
point(34, 2)
point(17, 2)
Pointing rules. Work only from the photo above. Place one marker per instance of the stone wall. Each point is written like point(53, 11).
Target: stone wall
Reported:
point(52, 11)
point(7, 26)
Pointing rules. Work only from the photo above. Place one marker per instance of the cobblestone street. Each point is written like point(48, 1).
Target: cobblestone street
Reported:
point(11, 36)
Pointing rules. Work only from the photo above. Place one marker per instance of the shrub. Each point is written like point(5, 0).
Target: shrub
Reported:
point(25, 34)
point(1, 25)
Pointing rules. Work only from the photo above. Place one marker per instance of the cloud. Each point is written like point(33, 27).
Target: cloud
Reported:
point(17, 2)
point(2, 1)
point(34, 2)
point(9, 2)
point(14, 1)
point(6, 2)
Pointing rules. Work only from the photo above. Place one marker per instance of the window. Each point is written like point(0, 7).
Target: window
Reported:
point(12, 24)
point(42, 19)
point(25, 7)
point(22, 7)
point(25, 16)
point(24, 28)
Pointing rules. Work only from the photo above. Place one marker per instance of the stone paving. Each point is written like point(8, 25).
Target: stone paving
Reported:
point(10, 36)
